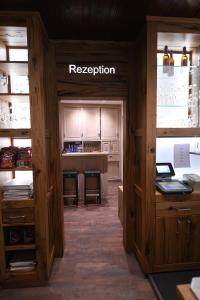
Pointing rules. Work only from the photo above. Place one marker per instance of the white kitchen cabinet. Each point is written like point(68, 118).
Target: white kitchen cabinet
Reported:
point(110, 123)
point(105, 146)
point(81, 123)
point(110, 146)
point(91, 123)
point(113, 170)
point(72, 123)
point(114, 146)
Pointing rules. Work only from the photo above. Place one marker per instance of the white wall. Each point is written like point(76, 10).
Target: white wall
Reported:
point(165, 153)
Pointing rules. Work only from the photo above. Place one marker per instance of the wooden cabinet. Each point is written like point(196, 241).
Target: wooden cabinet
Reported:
point(165, 108)
point(114, 159)
point(27, 107)
point(177, 231)
point(81, 123)
point(113, 169)
point(91, 123)
point(110, 123)
point(72, 123)
point(177, 240)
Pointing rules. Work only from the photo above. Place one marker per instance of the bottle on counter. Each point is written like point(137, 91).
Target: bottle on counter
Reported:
point(166, 60)
point(171, 64)
point(184, 58)
point(166, 56)
point(171, 59)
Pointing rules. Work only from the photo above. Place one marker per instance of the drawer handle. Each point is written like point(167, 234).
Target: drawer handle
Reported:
point(16, 217)
point(181, 209)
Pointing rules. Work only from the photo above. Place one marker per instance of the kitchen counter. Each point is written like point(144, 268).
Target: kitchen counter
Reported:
point(78, 154)
point(82, 161)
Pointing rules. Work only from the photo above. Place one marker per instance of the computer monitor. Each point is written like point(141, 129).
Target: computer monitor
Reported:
point(164, 170)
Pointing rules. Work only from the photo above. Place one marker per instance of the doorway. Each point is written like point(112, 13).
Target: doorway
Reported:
point(92, 126)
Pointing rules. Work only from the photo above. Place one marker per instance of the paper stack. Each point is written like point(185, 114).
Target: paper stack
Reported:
point(193, 180)
point(22, 261)
point(18, 188)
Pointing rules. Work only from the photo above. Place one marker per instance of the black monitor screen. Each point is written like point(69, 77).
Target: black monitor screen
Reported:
point(173, 186)
point(164, 170)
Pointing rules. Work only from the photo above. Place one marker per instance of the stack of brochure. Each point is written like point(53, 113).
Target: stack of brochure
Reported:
point(18, 188)
point(193, 180)
point(22, 261)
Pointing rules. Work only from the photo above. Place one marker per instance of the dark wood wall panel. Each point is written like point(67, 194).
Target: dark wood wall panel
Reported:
point(54, 193)
point(89, 53)
point(94, 88)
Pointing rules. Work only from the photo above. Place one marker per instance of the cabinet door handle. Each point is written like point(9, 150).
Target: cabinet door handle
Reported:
point(178, 224)
point(16, 217)
point(189, 223)
point(179, 209)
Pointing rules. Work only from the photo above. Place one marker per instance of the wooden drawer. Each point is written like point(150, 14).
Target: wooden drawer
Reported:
point(113, 157)
point(18, 215)
point(177, 208)
point(194, 196)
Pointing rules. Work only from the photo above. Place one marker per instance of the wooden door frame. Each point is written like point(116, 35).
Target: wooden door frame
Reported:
point(126, 206)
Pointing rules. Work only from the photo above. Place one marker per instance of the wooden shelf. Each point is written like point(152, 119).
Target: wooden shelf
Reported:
point(18, 224)
point(9, 96)
point(16, 169)
point(20, 247)
point(17, 203)
point(16, 133)
point(14, 68)
point(177, 132)
point(13, 277)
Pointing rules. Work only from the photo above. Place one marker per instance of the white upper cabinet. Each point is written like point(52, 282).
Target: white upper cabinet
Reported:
point(72, 123)
point(110, 120)
point(91, 123)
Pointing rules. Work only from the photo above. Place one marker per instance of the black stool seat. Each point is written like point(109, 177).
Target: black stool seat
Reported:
point(92, 172)
point(73, 191)
point(69, 173)
point(92, 189)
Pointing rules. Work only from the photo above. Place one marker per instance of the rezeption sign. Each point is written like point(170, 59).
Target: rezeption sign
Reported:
point(74, 69)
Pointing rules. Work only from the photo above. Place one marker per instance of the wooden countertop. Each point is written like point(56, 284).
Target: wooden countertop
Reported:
point(183, 292)
point(84, 154)
point(82, 161)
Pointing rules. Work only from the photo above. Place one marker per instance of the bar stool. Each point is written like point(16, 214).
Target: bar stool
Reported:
point(70, 186)
point(92, 185)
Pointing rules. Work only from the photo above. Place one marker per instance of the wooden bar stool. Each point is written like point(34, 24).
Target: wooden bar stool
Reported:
point(70, 186)
point(92, 186)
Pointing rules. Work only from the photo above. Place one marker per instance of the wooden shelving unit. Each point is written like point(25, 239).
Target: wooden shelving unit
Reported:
point(20, 247)
point(14, 68)
point(37, 213)
point(177, 132)
point(163, 230)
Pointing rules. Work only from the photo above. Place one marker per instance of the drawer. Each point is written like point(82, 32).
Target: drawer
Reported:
point(18, 215)
point(113, 157)
point(105, 146)
point(194, 196)
point(114, 147)
point(177, 208)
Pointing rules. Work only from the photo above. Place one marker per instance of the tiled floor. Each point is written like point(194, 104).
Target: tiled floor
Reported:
point(95, 265)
